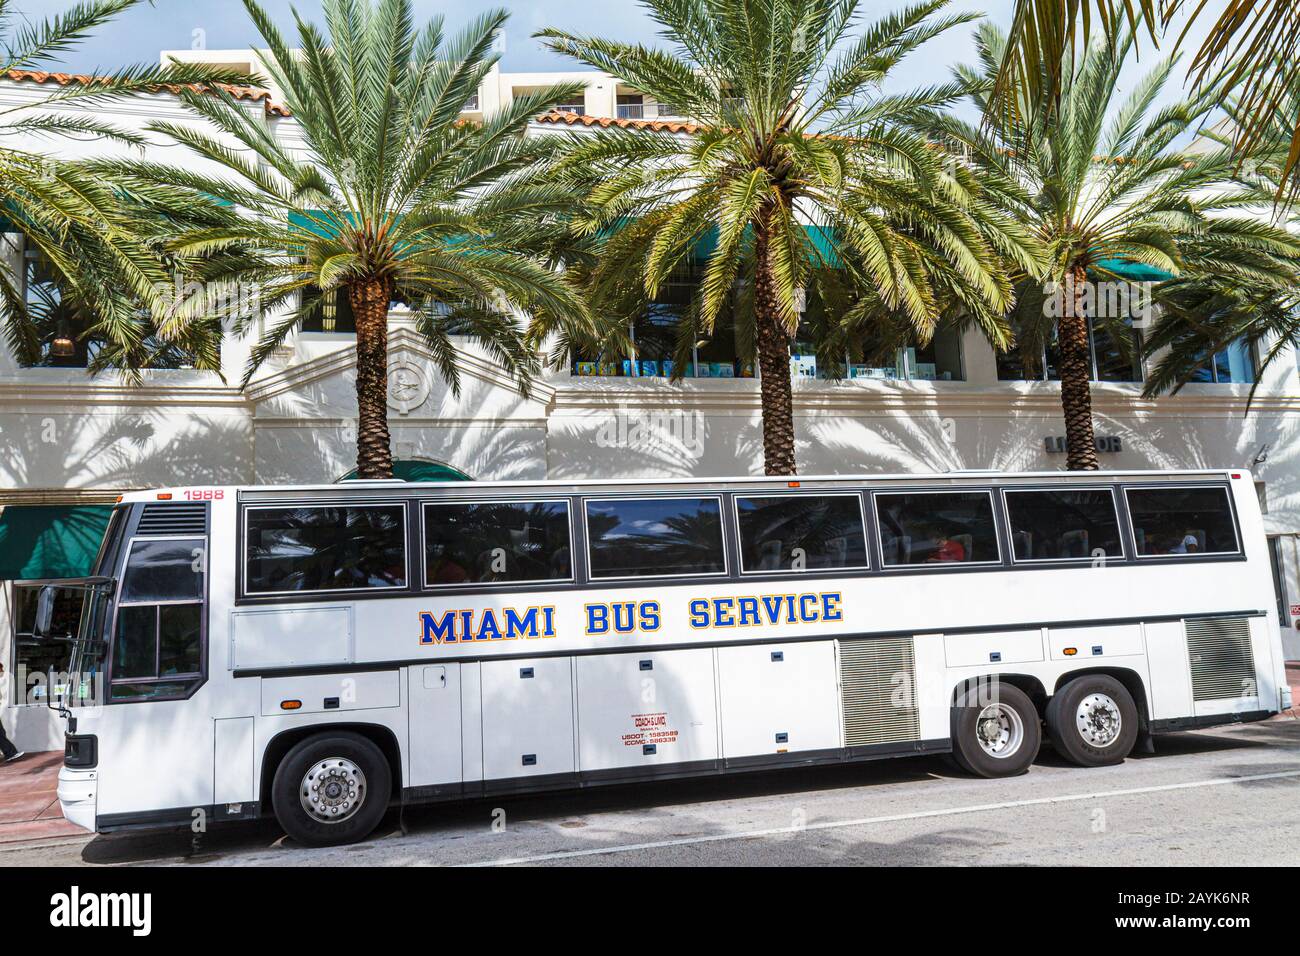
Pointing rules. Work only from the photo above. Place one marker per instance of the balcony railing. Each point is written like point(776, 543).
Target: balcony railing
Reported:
point(631, 110)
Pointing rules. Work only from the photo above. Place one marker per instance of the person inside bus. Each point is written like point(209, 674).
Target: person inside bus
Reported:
point(1189, 545)
point(947, 549)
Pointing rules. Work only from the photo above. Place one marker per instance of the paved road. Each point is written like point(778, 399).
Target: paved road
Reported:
point(1217, 797)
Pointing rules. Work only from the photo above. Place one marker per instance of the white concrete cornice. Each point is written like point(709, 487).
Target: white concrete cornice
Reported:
point(400, 339)
point(25, 391)
point(741, 397)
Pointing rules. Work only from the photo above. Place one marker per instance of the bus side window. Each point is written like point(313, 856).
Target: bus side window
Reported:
point(475, 542)
point(635, 537)
point(1182, 521)
point(937, 527)
point(801, 532)
point(325, 548)
point(1063, 524)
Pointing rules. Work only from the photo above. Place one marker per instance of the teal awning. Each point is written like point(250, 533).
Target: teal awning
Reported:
point(50, 541)
point(419, 471)
point(1136, 271)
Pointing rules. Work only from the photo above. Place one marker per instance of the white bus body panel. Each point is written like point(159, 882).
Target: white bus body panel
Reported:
point(778, 698)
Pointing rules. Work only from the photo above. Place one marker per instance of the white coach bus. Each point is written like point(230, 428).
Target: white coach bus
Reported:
point(323, 653)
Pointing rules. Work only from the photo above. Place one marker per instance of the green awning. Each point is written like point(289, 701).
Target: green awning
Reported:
point(50, 541)
point(419, 471)
point(1135, 271)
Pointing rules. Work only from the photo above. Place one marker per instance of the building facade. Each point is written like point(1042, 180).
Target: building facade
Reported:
point(70, 441)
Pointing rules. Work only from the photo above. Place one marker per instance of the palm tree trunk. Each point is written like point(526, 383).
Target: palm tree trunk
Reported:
point(773, 342)
point(1076, 374)
point(370, 301)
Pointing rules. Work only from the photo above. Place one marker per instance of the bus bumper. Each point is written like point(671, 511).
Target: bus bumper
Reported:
point(77, 792)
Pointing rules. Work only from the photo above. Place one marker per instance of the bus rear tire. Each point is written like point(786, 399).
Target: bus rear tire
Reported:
point(1093, 721)
point(331, 789)
point(995, 730)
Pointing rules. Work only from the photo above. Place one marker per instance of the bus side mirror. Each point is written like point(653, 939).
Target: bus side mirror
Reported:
point(44, 611)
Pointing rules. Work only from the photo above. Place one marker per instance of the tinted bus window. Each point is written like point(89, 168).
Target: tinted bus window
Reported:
point(1182, 521)
point(325, 548)
point(473, 542)
point(655, 536)
point(166, 569)
point(801, 532)
point(1059, 525)
point(937, 527)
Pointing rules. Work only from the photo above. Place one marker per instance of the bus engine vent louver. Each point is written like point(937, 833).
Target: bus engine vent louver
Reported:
point(173, 519)
point(1219, 651)
point(878, 686)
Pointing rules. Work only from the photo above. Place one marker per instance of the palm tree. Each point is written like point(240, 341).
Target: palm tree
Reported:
point(799, 165)
point(1205, 310)
point(1250, 45)
point(391, 195)
point(73, 217)
point(1106, 188)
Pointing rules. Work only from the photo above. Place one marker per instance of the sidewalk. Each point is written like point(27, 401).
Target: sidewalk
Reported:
point(29, 807)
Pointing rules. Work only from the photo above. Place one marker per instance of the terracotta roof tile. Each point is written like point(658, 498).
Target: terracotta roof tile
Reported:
point(604, 122)
point(63, 79)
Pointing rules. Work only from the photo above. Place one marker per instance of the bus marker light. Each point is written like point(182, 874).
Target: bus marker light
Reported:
point(1070, 651)
point(1236, 476)
point(164, 496)
point(290, 704)
point(792, 484)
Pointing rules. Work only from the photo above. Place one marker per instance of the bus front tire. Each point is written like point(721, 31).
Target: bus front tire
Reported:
point(995, 730)
point(1093, 721)
point(331, 789)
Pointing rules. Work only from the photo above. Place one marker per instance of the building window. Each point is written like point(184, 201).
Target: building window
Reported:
point(1110, 360)
point(334, 314)
point(631, 106)
point(652, 537)
point(324, 548)
point(1234, 364)
point(47, 655)
point(63, 326)
point(1278, 564)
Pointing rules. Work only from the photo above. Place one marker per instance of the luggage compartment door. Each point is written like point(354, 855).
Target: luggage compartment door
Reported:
point(645, 709)
point(527, 717)
point(779, 698)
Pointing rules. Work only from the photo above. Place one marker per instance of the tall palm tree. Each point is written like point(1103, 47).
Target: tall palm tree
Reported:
point(1250, 45)
point(799, 164)
point(72, 217)
point(1106, 185)
point(391, 195)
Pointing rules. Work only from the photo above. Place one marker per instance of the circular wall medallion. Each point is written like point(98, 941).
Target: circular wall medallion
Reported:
point(408, 386)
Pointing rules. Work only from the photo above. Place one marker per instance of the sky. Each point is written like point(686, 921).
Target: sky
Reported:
point(137, 35)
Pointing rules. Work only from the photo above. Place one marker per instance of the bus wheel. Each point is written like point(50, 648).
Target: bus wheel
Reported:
point(995, 730)
point(330, 789)
point(1092, 721)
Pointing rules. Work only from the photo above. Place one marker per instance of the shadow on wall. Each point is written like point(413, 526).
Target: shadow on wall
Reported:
point(124, 450)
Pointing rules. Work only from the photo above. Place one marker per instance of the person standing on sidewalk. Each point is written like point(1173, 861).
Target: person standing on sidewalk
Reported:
point(8, 751)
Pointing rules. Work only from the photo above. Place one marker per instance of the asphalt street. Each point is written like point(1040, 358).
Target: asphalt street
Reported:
point(1226, 796)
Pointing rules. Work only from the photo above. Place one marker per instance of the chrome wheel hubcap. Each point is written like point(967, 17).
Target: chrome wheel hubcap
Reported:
point(1098, 720)
point(332, 790)
point(999, 730)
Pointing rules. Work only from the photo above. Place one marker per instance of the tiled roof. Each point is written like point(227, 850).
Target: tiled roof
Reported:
point(63, 79)
point(659, 126)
